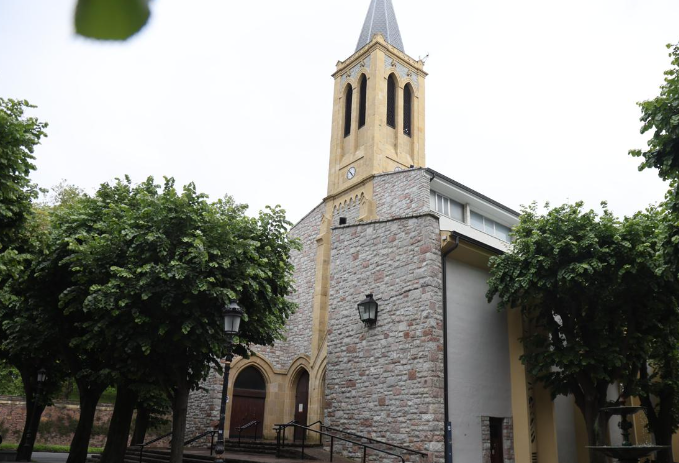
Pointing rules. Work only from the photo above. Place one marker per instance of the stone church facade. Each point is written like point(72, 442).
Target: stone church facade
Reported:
point(439, 372)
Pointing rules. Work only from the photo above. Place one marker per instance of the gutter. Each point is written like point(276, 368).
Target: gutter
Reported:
point(448, 432)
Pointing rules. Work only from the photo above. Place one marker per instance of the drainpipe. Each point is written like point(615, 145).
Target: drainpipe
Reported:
point(448, 433)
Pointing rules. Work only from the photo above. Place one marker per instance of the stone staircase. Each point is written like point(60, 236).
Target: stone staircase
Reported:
point(247, 452)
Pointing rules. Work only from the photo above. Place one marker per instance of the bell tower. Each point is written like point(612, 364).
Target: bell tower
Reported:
point(378, 110)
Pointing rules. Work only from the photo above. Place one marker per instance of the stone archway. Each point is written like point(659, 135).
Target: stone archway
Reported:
point(249, 398)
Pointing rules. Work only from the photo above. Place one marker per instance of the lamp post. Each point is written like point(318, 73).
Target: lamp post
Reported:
point(232, 316)
point(28, 444)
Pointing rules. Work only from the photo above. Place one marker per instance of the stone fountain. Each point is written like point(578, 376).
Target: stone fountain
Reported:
point(626, 453)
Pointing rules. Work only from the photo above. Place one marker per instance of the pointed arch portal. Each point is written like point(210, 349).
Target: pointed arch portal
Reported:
point(301, 403)
point(249, 397)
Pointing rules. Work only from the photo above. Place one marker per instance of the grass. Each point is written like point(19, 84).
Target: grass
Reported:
point(50, 448)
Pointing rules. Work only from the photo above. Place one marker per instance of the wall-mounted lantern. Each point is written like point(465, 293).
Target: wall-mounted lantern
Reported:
point(367, 310)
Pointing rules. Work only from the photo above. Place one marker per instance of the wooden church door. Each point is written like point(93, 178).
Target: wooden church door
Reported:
point(301, 403)
point(249, 396)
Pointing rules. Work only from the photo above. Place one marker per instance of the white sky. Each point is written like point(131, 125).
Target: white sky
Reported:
point(526, 99)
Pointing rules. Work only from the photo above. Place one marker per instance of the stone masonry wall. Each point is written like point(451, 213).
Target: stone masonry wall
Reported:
point(402, 193)
point(298, 329)
point(387, 381)
point(57, 422)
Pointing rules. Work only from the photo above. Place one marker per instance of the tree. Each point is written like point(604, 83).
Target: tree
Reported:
point(18, 137)
point(26, 340)
point(660, 116)
point(594, 293)
point(157, 267)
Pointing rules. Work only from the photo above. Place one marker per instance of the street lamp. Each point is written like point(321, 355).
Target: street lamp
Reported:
point(30, 438)
point(232, 315)
point(367, 310)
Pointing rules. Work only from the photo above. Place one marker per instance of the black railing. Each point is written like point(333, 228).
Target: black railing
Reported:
point(254, 423)
point(280, 441)
point(200, 436)
point(376, 441)
point(188, 442)
point(153, 441)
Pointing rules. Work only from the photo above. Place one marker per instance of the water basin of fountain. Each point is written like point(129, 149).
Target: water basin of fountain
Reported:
point(626, 453)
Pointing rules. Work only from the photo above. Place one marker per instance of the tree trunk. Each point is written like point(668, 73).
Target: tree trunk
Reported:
point(119, 428)
point(663, 431)
point(89, 397)
point(180, 405)
point(34, 410)
point(593, 425)
point(141, 424)
point(31, 425)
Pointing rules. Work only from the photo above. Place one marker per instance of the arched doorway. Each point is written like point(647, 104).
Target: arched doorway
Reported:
point(249, 395)
point(301, 403)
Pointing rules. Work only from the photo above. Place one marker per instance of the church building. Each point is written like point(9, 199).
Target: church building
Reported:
point(438, 370)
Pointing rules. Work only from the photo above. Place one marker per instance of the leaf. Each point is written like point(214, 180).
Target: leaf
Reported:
point(111, 19)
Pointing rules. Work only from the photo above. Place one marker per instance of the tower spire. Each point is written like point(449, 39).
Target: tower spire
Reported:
point(381, 19)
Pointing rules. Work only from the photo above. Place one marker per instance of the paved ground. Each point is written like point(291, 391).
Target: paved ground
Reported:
point(44, 457)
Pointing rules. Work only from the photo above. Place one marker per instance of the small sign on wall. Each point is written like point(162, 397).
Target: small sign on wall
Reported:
point(300, 408)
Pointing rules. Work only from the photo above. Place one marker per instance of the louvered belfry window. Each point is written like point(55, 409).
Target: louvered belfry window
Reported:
point(407, 110)
point(391, 101)
point(363, 102)
point(347, 111)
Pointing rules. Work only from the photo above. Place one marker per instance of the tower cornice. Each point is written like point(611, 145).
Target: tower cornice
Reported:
point(378, 42)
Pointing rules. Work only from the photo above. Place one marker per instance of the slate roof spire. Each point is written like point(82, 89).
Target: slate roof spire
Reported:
point(381, 19)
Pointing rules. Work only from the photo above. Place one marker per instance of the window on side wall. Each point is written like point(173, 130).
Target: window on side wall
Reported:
point(448, 207)
point(489, 226)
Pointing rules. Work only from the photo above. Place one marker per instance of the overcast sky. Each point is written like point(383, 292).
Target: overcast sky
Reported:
point(526, 99)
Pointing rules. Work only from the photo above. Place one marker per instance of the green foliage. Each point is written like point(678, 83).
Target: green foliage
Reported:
point(152, 269)
point(661, 116)
point(10, 381)
point(49, 448)
point(18, 137)
point(111, 19)
point(595, 293)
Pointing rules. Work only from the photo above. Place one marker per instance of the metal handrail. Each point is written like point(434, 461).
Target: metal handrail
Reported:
point(254, 423)
point(200, 436)
point(289, 422)
point(332, 441)
point(423, 454)
point(153, 441)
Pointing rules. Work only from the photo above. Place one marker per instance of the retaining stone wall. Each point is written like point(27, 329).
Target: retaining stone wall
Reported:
point(387, 381)
point(57, 423)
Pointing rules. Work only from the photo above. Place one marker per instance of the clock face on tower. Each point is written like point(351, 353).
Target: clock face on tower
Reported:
point(351, 173)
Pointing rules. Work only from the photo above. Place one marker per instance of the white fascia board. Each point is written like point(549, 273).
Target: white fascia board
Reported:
point(451, 225)
point(475, 203)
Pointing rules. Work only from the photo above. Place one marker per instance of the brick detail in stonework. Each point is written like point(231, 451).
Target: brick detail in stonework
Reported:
point(402, 193)
point(387, 381)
